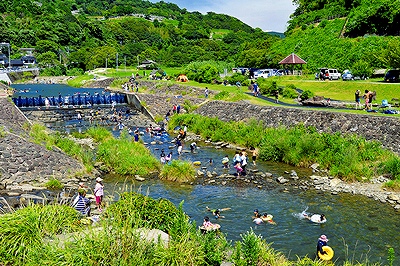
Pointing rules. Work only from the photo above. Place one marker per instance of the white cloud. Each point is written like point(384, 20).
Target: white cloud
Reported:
point(265, 14)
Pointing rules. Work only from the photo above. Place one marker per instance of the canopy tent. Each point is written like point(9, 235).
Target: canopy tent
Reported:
point(293, 60)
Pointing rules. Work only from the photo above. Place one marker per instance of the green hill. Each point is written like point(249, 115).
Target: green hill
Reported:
point(77, 35)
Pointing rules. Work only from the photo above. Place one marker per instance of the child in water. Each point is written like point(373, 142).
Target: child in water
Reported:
point(267, 218)
point(217, 212)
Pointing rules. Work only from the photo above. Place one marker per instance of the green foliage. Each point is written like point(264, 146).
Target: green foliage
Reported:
point(22, 232)
point(222, 95)
point(126, 157)
point(290, 92)
point(306, 95)
point(2, 132)
point(250, 248)
point(392, 166)
point(237, 77)
point(206, 71)
point(180, 171)
point(391, 256)
point(99, 134)
point(345, 156)
point(53, 184)
point(188, 106)
point(137, 210)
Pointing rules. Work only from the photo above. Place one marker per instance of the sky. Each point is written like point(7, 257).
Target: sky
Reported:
point(268, 15)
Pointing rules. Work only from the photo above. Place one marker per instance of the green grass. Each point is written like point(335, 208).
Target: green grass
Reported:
point(79, 81)
point(127, 157)
point(342, 90)
point(218, 34)
point(54, 184)
point(348, 157)
point(180, 171)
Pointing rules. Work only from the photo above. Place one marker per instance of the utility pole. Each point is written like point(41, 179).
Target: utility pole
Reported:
point(117, 62)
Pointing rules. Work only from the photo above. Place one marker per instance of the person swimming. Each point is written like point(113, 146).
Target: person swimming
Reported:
point(315, 218)
point(267, 218)
point(257, 220)
point(217, 212)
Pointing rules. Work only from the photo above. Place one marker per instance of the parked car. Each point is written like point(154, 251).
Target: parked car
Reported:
point(329, 73)
point(332, 73)
point(392, 75)
point(347, 75)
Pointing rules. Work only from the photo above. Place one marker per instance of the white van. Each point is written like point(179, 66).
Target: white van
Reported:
point(330, 73)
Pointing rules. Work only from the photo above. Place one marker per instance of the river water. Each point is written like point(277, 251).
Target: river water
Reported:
point(358, 228)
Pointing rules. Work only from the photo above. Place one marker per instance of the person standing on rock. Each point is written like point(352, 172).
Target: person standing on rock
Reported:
point(179, 145)
point(243, 159)
point(357, 97)
point(99, 193)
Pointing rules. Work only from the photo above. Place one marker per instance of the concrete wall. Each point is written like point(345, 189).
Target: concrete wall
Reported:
point(5, 77)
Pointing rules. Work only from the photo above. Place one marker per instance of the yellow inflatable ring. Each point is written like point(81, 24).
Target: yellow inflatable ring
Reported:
point(329, 253)
point(196, 163)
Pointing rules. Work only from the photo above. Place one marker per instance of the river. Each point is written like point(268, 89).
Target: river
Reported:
point(358, 228)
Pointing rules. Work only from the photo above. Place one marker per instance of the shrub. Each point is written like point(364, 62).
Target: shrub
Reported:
point(53, 184)
point(306, 95)
point(126, 157)
point(180, 171)
point(22, 232)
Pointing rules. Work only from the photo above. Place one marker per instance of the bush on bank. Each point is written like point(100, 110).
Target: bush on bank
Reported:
point(346, 156)
point(180, 171)
point(126, 157)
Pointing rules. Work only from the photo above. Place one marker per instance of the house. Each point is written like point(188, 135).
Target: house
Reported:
point(28, 60)
point(3, 59)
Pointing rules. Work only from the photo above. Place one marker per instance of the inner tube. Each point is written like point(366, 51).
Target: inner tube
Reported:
point(316, 219)
point(196, 163)
point(329, 253)
point(225, 161)
point(211, 228)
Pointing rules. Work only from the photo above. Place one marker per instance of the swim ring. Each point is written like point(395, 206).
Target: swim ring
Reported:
point(268, 218)
point(211, 228)
point(225, 161)
point(316, 219)
point(329, 253)
point(196, 163)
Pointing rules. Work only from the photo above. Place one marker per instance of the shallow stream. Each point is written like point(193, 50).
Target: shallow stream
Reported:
point(358, 228)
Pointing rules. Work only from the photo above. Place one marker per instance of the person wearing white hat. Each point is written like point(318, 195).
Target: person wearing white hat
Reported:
point(99, 192)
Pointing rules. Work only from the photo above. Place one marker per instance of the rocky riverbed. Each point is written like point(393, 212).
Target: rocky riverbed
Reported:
point(319, 180)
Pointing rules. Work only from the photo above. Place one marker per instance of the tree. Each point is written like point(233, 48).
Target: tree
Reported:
point(392, 53)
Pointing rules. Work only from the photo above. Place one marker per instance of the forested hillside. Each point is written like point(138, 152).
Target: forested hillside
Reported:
point(71, 36)
point(380, 17)
point(85, 34)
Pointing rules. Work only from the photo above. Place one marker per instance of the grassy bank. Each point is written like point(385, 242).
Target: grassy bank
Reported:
point(348, 157)
point(55, 235)
point(122, 156)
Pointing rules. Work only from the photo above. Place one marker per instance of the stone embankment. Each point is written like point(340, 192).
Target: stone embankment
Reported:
point(24, 165)
point(383, 129)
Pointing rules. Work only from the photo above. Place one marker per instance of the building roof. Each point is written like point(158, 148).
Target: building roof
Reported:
point(292, 59)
